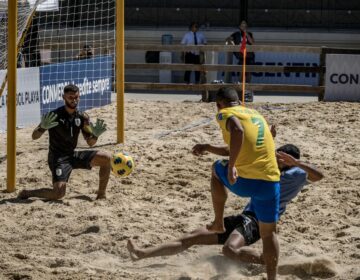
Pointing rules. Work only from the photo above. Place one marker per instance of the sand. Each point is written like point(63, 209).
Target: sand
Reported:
point(168, 194)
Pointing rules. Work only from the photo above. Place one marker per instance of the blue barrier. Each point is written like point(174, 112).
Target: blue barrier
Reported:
point(92, 76)
point(281, 59)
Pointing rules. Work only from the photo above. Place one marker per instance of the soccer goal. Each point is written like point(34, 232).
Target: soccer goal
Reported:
point(58, 43)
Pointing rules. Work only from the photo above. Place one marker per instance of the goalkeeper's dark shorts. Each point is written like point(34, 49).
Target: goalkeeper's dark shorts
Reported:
point(61, 166)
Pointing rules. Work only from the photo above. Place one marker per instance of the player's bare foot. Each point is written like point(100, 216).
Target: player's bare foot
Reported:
point(135, 253)
point(216, 227)
point(24, 194)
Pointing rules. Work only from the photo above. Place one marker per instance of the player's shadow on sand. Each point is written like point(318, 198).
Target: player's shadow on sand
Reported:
point(82, 197)
point(16, 200)
point(28, 201)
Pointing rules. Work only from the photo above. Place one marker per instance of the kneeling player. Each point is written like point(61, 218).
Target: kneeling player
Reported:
point(64, 125)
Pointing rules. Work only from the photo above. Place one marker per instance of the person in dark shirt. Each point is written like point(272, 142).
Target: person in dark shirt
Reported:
point(236, 39)
point(64, 126)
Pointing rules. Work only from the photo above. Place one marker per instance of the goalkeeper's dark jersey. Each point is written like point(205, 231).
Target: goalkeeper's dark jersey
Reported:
point(63, 138)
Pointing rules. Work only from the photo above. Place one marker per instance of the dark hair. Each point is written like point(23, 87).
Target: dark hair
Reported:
point(87, 47)
point(70, 88)
point(243, 21)
point(227, 94)
point(194, 23)
point(290, 149)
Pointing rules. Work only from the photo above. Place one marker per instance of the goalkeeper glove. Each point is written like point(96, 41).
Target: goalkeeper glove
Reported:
point(99, 127)
point(48, 121)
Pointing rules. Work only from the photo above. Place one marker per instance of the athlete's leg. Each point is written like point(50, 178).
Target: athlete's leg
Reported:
point(219, 196)
point(270, 248)
point(57, 192)
point(197, 73)
point(61, 169)
point(102, 159)
point(200, 236)
point(188, 60)
point(235, 248)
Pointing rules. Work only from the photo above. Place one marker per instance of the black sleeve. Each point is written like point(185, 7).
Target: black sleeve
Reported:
point(234, 37)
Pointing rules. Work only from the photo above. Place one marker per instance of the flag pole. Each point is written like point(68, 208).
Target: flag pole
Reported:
point(243, 77)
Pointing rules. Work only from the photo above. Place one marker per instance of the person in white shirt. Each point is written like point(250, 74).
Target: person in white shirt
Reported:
point(193, 37)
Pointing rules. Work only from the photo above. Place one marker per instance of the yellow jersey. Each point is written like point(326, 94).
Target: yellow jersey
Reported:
point(256, 159)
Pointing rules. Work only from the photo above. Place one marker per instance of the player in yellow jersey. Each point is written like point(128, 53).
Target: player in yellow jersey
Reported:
point(251, 170)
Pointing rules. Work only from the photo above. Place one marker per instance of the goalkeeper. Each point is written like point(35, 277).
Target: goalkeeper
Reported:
point(64, 126)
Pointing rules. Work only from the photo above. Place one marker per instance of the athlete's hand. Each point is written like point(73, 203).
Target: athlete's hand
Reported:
point(199, 149)
point(232, 175)
point(99, 128)
point(273, 130)
point(48, 121)
point(286, 159)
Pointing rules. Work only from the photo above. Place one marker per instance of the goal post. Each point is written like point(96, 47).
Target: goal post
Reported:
point(81, 42)
point(11, 102)
point(120, 70)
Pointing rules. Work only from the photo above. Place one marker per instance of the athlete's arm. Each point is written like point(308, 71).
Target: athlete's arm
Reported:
point(200, 149)
point(87, 132)
point(90, 140)
point(38, 132)
point(235, 128)
point(313, 174)
point(250, 38)
point(273, 130)
point(88, 136)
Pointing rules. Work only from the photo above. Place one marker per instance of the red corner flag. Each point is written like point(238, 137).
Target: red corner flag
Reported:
point(243, 43)
point(243, 51)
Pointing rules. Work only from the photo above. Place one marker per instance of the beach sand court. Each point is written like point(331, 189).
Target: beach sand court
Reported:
point(168, 194)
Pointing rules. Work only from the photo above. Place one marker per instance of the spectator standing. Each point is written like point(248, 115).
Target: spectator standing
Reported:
point(86, 52)
point(193, 37)
point(236, 39)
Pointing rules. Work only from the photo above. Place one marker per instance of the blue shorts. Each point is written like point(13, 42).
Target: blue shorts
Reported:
point(265, 195)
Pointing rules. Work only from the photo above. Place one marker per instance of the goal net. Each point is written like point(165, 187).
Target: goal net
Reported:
point(60, 42)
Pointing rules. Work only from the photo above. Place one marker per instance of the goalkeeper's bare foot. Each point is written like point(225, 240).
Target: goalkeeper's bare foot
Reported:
point(100, 196)
point(24, 194)
point(135, 253)
point(216, 227)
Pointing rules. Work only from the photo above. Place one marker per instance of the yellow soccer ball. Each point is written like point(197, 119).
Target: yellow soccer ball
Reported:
point(122, 164)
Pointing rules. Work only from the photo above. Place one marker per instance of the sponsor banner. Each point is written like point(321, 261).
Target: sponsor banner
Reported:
point(92, 76)
point(342, 81)
point(280, 59)
point(27, 98)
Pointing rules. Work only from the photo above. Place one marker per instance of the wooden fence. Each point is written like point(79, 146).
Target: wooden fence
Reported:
point(280, 88)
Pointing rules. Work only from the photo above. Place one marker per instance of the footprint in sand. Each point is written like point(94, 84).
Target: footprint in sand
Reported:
point(302, 267)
